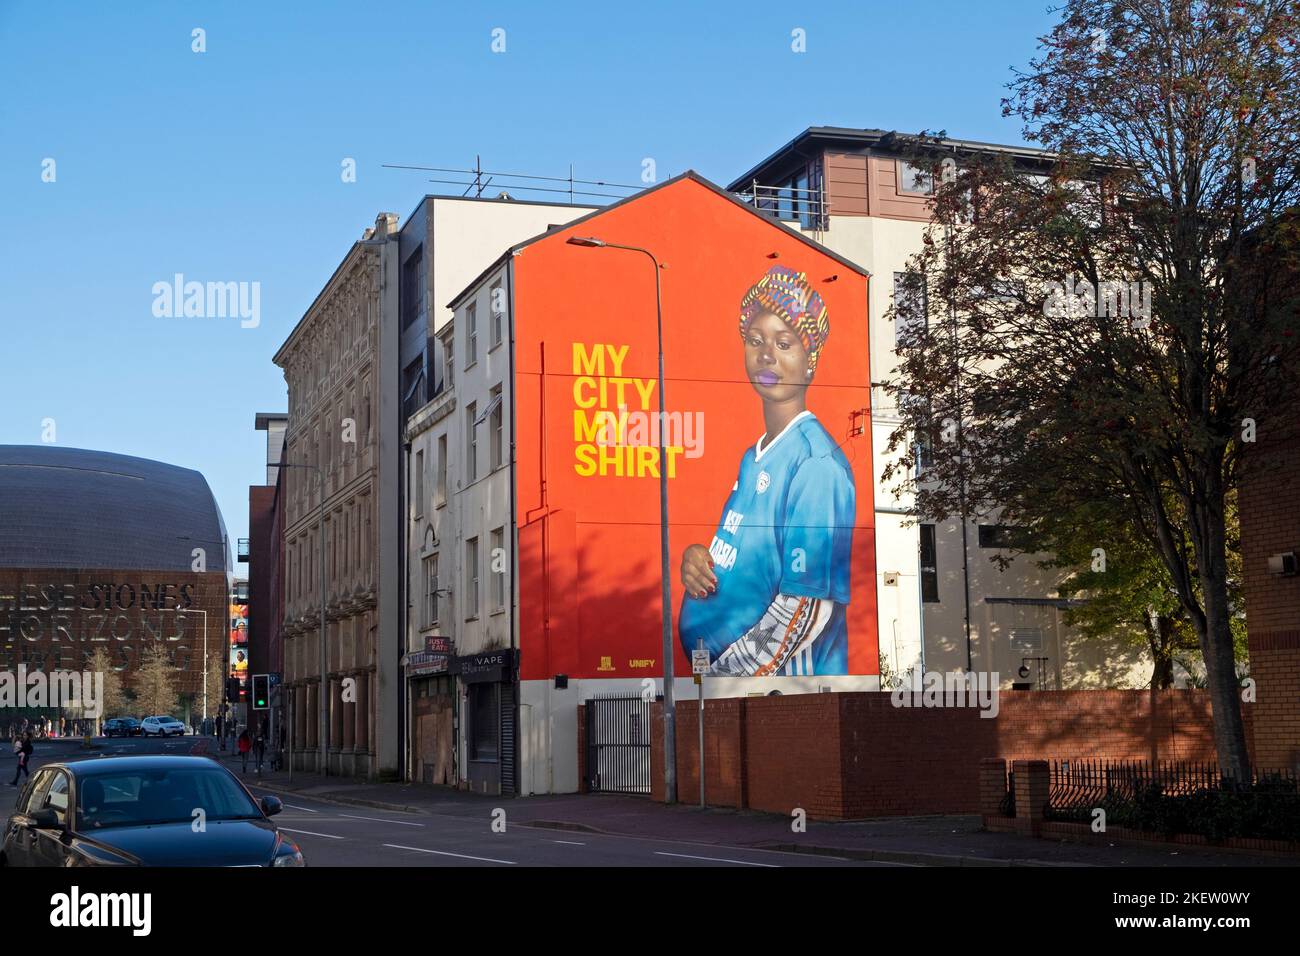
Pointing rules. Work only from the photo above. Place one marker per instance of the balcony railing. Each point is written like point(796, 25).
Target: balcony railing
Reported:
point(806, 206)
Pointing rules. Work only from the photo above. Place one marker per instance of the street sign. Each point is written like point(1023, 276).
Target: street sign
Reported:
point(699, 662)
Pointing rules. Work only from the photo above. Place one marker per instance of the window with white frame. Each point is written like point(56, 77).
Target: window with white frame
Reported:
point(417, 482)
point(471, 334)
point(431, 590)
point(471, 442)
point(471, 579)
point(440, 486)
point(496, 437)
point(496, 308)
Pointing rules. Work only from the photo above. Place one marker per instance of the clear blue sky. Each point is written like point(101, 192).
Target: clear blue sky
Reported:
point(225, 165)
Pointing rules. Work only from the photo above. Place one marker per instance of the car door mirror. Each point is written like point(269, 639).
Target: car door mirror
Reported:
point(271, 806)
point(46, 819)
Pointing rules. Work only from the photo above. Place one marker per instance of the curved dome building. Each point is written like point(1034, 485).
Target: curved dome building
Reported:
point(106, 550)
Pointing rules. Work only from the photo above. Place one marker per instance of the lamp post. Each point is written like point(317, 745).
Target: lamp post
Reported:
point(670, 722)
point(323, 708)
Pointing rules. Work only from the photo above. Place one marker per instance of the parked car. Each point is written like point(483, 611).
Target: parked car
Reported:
point(161, 727)
point(140, 811)
point(122, 727)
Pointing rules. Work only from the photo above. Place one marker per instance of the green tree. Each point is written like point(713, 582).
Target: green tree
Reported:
point(155, 682)
point(1125, 589)
point(115, 701)
point(1170, 128)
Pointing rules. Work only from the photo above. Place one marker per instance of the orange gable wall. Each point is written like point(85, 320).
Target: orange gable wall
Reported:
point(589, 545)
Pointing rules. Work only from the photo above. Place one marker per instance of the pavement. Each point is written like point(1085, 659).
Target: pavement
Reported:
point(956, 840)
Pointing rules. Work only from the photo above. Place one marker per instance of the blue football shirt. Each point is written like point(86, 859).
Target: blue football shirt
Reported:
point(787, 528)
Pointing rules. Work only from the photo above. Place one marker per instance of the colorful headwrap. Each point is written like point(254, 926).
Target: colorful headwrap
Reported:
point(787, 295)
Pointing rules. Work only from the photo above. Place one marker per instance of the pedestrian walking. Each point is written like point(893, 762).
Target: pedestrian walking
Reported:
point(245, 745)
point(24, 754)
point(259, 751)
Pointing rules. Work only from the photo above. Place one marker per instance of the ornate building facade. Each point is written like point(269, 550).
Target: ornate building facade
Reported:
point(332, 448)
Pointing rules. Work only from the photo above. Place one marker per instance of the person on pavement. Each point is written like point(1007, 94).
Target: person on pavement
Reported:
point(24, 758)
point(245, 745)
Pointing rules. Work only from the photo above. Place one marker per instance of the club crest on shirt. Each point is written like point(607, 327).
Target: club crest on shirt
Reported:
point(764, 480)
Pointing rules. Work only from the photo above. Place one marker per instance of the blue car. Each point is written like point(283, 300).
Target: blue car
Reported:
point(143, 811)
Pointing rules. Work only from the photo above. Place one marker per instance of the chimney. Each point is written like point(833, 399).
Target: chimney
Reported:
point(385, 224)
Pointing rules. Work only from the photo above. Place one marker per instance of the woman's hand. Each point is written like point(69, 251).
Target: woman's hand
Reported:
point(697, 571)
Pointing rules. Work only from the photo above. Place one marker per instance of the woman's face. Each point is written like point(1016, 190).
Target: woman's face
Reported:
point(775, 360)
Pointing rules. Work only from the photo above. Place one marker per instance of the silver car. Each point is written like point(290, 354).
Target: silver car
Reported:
point(161, 727)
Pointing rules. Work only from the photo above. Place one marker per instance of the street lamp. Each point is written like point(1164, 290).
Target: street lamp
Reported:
point(670, 722)
point(324, 672)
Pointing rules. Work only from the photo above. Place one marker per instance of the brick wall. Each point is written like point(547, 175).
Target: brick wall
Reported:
point(1269, 505)
point(845, 756)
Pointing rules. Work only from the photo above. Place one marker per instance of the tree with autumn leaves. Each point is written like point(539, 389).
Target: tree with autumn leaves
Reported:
point(1111, 324)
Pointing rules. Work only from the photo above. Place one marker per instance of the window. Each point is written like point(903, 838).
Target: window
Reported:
point(471, 334)
point(910, 305)
point(448, 362)
point(418, 483)
point(929, 566)
point(431, 590)
point(57, 798)
point(471, 579)
point(496, 306)
point(412, 393)
point(414, 287)
point(914, 180)
point(917, 408)
point(498, 566)
point(495, 437)
point(1002, 536)
point(33, 798)
point(440, 486)
point(471, 442)
point(484, 713)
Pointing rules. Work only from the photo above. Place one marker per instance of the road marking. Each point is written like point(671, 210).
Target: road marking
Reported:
point(294, 806)
point(717, 859)
point(418, 849)
point(569, 842)
point(328, 836)
point(400, 823)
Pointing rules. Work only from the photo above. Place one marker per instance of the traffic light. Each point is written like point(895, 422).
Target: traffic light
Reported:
point(261, 691)
point(235, 692)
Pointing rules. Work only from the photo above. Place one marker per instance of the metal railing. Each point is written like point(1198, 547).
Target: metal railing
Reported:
point(1176, 797)
point(618, 745)
point(806, 206)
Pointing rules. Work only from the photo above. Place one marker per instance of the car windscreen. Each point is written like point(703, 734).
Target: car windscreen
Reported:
point(125, 798)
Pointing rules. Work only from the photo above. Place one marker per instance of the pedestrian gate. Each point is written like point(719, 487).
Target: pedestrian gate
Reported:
point(618, 745)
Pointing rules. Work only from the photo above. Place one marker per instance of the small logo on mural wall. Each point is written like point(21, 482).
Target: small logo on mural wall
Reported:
point(764, 481)
point(606, 664)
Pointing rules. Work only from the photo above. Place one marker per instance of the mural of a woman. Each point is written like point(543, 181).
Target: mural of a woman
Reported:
point(768, 595)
